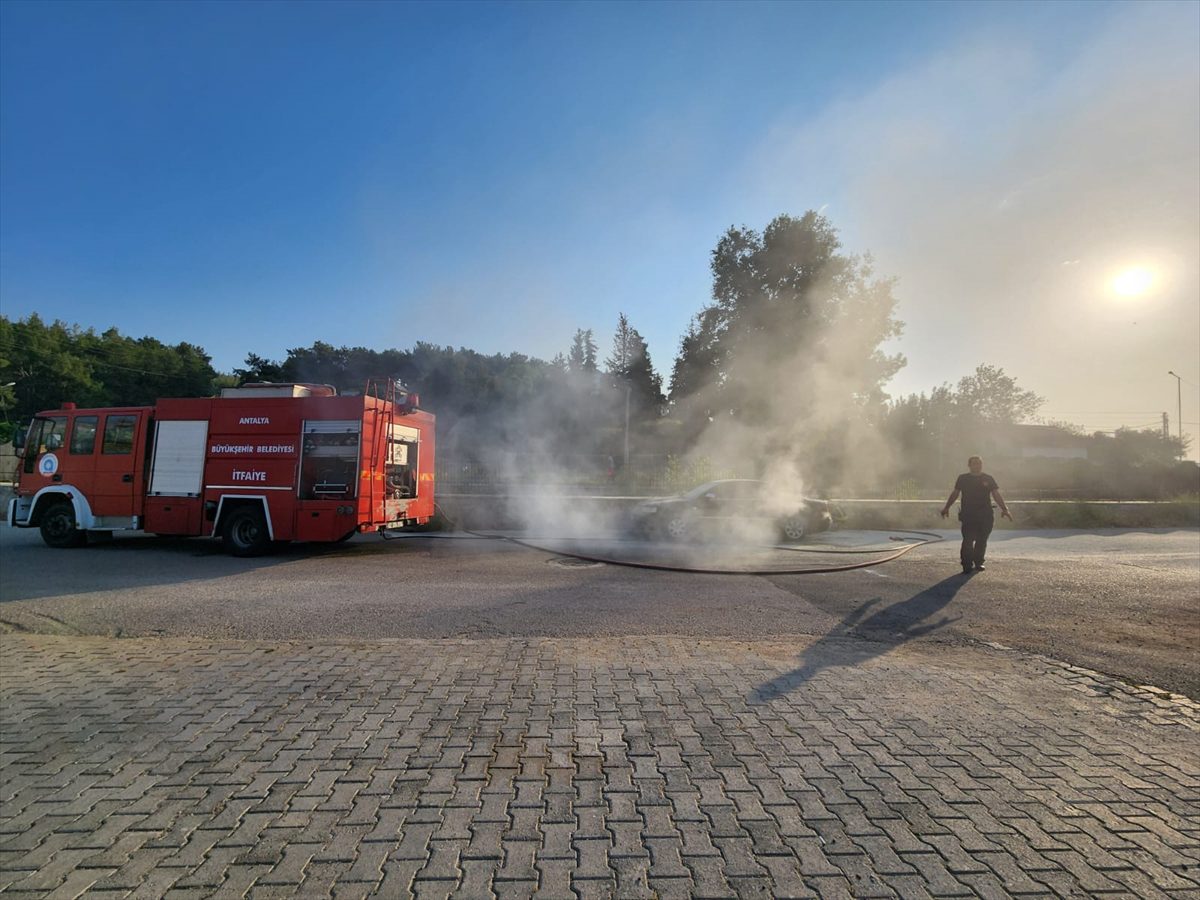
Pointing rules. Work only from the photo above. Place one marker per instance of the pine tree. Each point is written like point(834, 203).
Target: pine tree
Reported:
point(619, 362)
point(630, 364)
point(582, 356)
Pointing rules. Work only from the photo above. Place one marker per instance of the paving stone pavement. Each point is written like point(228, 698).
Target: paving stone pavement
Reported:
point(586, 768)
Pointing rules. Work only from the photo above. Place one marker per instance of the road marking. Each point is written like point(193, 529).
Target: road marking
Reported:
point(876, 574)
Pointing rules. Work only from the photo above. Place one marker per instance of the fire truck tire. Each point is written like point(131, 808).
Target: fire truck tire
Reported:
point(245, 532)
point(58, 526)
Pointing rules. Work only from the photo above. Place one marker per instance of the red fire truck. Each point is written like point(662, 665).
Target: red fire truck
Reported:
point(258, 465)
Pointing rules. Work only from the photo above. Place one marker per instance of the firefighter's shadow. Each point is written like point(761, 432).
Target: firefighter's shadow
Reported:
point(860, 637)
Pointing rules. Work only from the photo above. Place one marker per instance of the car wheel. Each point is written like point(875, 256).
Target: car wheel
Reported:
point(678, 526)
point(58, 526)
point(245, 532)
point(793, 528)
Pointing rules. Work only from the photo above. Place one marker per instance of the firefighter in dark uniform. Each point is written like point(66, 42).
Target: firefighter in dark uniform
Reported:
point(978, 489)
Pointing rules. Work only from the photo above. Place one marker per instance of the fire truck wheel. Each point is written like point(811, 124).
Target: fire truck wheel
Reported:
point(58, 526)
point(245, 532)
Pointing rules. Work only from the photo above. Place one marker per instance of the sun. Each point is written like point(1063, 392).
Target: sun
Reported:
point(1133, 282)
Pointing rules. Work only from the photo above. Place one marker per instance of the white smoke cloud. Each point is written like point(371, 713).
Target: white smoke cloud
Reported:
point(1006, 186)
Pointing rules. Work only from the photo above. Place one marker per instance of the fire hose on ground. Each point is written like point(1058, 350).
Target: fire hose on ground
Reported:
point(928, 538)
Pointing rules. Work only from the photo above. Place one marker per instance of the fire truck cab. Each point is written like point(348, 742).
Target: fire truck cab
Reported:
point(258, 465)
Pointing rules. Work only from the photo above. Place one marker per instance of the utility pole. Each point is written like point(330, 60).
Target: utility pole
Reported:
point(1178, 407)
point(625, 458)
point(1166, 427)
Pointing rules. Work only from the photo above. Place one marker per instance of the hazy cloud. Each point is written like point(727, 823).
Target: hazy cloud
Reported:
point(1005, 186)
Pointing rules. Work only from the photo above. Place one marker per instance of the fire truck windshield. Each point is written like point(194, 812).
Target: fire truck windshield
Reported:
point(45, 436)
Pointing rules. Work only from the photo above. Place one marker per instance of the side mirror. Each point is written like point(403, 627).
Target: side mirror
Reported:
point(710, 496)
point(54, 441)
point(19, 437)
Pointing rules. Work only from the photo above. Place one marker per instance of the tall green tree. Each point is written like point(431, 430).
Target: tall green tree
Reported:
point(629, 365)
point(792, 343)
point(581, 359)
point(698, 365)
point(623, 351)
point(992, 396)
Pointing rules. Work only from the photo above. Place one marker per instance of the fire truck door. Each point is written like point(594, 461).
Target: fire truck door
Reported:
point(78, 457)
point(119, 465)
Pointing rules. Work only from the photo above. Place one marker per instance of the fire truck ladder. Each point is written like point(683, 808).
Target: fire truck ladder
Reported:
point(384, 423)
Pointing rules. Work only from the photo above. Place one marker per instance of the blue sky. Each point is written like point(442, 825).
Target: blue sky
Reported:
point(254, 177)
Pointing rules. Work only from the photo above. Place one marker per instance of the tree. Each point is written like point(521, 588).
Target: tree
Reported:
point(624, 349)
point(1129, 449)
point(322, 363)
point(920, 429)
point(927, 432)
point(787, 303)
point(259, 369)
point(994, 397)
point(581, 359)
point(629, 364)
point(790, 350)
point(8, 399)
point(54, 363)
point(697, 367)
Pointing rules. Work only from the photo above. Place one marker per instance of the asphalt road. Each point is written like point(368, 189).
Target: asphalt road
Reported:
point(1126, 603)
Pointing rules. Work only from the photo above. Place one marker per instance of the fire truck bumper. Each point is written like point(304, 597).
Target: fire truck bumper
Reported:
point(396, 525)
point(18, 513)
